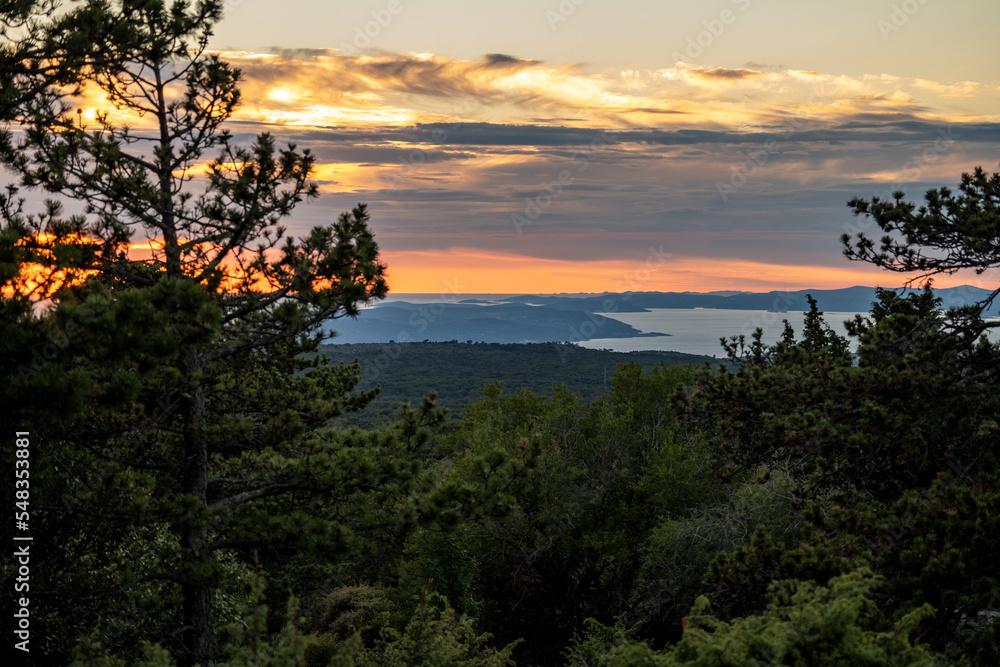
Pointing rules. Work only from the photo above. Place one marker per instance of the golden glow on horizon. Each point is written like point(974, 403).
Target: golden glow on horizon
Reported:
point(470, 271)
point(473, 271)
point(319, 114)
point(43, 281)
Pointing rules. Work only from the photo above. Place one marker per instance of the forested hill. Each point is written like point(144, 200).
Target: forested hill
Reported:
point(458, 371)
point(402, 321)
point(544, 318)
point(849, 299)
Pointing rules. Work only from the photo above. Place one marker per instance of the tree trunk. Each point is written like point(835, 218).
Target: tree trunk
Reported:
point(198, 617)
point(197, 590)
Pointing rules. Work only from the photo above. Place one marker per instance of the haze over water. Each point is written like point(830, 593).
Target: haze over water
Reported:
point(697, 331)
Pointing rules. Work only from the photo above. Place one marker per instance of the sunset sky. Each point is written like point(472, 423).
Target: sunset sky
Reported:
point(587, 145)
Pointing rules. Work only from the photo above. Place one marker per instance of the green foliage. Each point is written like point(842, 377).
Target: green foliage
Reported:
point(440, 562)
point(458, 371)
point(596, 641)
point(812, 408)
point(738, 579)
point(680, 552)
point(805, 624)
point(245, 640)
point(946, 233)
point(354, 610)
point(605, 472)
point(886, 453)
point(245, 643)
point(435, 636)
point(802, 624)
point(88, 653)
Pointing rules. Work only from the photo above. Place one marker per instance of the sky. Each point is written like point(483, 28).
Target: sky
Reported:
point(585, 145)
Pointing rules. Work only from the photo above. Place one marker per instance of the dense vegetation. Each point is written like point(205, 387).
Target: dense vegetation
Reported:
point(193, 499)
point(457, 372)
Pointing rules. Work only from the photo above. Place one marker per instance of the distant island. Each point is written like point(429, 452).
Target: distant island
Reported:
point(547, 318)
point(508, 322)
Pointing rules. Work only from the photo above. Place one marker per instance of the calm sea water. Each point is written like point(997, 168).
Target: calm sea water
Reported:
point(692, 330)
point(697, 331)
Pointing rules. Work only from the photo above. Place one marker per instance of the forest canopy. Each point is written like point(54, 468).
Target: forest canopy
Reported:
point(194, 497)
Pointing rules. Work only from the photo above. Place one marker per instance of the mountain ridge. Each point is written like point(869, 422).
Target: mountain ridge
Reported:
point(545, 318)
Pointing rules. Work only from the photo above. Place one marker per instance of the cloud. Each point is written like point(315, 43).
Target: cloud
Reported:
point(763, 67)
point(603, 165)
point(723, 73)
point(503, 60)
point(325, 87)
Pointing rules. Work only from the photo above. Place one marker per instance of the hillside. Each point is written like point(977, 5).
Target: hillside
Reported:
point(458, 371)
point(402, 321)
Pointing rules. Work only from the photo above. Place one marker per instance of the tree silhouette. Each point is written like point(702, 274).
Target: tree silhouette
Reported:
point(185, 400)
point(945, 234)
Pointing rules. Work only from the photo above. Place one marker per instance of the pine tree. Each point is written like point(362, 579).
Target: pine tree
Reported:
point(947, 233)
point(173, 391)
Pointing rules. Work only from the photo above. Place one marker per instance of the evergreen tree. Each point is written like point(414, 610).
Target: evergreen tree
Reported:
point(895, 456)
point(177, 418)
point(948, 232)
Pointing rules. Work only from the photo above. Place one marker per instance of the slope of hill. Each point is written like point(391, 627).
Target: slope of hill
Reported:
point(402, 321)
point(406, 372)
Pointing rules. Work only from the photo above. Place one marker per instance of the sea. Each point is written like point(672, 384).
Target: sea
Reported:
point(698, 330)
point(688, 330)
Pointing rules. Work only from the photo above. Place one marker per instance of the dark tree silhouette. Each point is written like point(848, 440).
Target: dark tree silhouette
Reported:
point(948, 232)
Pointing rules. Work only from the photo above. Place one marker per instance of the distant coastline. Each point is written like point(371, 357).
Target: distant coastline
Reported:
point(585, 318)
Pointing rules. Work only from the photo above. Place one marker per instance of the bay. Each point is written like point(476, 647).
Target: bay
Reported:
point(697, 330)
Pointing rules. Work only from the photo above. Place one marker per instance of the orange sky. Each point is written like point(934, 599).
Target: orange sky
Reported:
point(512, 174)
point(474, 175)
point(476, 272)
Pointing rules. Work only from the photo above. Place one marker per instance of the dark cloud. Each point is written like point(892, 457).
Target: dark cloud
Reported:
point(459, 140)
point(299, 53)
point(724, 73)
point(422, 77)
point(374, 155)
point(503, 60)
